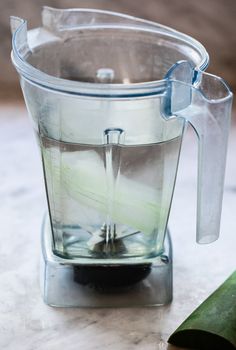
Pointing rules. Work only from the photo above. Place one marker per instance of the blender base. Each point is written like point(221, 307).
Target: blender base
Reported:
point(60, 288)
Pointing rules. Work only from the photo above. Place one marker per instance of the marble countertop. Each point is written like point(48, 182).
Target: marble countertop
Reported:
point(27, 323)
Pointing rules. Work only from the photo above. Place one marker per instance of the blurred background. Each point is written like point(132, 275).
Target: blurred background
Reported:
point(212, 22)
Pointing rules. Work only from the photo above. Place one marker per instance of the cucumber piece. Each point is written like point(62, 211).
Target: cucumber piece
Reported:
point(213, 324)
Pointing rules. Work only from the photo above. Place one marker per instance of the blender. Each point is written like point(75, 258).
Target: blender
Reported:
point(110, 97)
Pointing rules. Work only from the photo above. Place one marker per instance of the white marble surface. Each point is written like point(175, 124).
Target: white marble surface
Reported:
point(27, 323)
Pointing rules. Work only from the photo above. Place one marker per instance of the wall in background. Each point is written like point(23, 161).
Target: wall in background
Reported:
point(210, 21)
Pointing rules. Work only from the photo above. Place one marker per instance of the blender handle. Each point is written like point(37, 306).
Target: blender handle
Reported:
point(210, 119)
point(204, 101)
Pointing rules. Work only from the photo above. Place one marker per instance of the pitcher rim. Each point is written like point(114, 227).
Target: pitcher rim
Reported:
point(40, 78)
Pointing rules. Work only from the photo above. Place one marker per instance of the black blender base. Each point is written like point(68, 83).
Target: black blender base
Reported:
point(67, 284)
point(107, 278)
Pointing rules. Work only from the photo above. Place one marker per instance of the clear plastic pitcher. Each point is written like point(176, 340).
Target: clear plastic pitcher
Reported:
point(110, 97)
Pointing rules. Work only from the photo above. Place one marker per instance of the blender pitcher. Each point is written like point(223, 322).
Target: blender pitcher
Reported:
point(110, 96)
